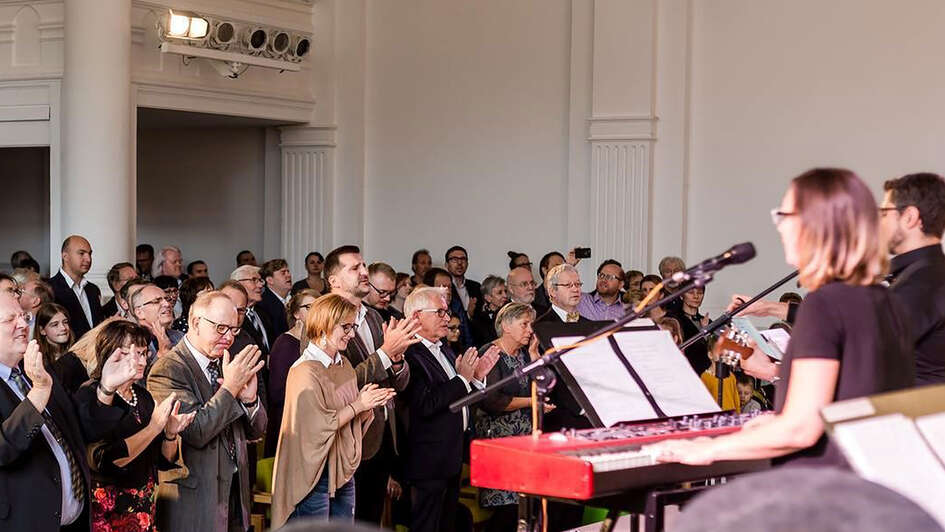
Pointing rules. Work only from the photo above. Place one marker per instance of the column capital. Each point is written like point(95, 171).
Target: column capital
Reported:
point(308, 136)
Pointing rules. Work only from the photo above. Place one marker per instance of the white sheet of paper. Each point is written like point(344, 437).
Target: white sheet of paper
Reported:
point(666, 372)
point(779, 337)
point(932, 428)
point(889, 450)
point(605, 381)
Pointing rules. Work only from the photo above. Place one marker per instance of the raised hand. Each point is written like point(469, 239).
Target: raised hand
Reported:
point(534, 353)
point(466, 364)
point(120, 368)
point(248, 393)
point(162, 411)
point(33, 365)
point(238, 371)
point(486, 361)
point(177, 422)
point(472, 306)
point(399, 335)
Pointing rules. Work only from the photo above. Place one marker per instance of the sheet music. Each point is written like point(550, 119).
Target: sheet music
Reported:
point(666, 372)
point(890, 451)
point(605, 381)
point(778, 337)
point(932, 428)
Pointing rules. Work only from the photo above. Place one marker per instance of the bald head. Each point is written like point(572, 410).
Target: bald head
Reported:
point(521, 285)
point(76, 256)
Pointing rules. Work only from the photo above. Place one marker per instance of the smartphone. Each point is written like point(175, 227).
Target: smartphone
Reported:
point(582, 253)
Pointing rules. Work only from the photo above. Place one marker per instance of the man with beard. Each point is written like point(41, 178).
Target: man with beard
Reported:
point(912, 219)
point(603, 304)
point(521, 286)
point(377, 354)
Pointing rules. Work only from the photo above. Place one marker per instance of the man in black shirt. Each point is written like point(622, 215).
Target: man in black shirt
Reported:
point(912, 219)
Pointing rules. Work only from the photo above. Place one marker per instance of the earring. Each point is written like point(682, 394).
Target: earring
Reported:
point(323, 341)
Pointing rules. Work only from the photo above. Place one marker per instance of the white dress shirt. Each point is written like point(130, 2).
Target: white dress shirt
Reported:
point(79, 289)
point(364, 331)
point(451, 372)
point(315, 353)
point(563, 314)
point(71, 509)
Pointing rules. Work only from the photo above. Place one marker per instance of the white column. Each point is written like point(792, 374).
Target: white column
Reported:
point(98, 193)
point(307, 172)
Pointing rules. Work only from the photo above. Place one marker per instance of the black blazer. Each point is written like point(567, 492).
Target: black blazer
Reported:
point(110, 308)
point(257, 335)
point(435, 435)
point(67, 298)
point(568, 412)
point(30, 492)
point(274, 310)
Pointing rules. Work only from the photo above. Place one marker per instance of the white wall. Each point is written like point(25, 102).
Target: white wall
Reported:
point(779, 87)
point(466, 129)
point(203, 189)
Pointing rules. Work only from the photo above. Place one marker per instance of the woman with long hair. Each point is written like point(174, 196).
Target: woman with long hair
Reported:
point(324, 419)
point(142, 438)
point(850, 338)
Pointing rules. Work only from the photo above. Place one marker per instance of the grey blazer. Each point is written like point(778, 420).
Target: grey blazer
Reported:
point(196, 496)
point(369, 368)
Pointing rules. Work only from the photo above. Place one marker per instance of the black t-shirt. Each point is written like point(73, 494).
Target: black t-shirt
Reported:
point(919, 283)
point(866, 330)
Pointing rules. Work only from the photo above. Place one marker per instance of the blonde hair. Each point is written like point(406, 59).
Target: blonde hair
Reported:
point(326, 313)
point(839, 228)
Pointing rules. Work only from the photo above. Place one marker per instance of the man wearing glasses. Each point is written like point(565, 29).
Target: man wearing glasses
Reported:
point(383, 281)
point(521, 285)
point(256, 323)
point(150, 308)
point(466, 291)
point(212, 491)
point(377, 354)
point(603, 303)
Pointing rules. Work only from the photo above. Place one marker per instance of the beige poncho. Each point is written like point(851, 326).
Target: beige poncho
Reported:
point(309, 436)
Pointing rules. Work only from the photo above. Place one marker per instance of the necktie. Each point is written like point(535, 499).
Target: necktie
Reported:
point(78, 490)
point(573, 317)
point(215, 371)
point(257, 324)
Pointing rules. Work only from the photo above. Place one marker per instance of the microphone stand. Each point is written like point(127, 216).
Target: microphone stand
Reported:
point(721, 370)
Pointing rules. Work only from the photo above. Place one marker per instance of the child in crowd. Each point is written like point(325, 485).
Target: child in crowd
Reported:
point(729, 390)
point(746, 392)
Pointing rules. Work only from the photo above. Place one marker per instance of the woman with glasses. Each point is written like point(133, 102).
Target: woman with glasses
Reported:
point(507, 412)
point(850, 338)
point(285, 351)
point(324, 419)
point(142, 440)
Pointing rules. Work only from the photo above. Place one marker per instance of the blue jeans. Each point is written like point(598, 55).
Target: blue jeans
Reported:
point(318, 504)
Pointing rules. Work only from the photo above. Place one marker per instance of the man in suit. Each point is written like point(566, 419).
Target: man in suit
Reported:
point(44, 476)
point(256, 323)
point(73, 291)
point(467, 291)
point(377, 354)
point(144, 260)
point(436, 436)
point(275, 296)
point(117, 276)
point(212, 491)
point(383, 281)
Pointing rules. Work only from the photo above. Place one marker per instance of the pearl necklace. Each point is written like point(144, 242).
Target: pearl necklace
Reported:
point(134, 398)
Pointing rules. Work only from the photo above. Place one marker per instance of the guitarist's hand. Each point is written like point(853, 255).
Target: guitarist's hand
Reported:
point(758, 364)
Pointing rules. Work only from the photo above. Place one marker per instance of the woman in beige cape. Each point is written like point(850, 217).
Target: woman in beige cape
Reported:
point(324, 418)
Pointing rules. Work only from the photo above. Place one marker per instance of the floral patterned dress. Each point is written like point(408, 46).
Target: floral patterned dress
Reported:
point(493, 422)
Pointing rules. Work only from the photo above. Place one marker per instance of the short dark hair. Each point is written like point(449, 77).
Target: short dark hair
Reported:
point(384, 269)
point(513, 256)
point(29, 263)
point(634, 273)
point(165, 281)
point(543, 264)
point(272, 266)
point(142, 248)
point(114, 274)
point(193, 264)
point(416, 255)
point(112, 336)
point(430, 277)
point(317, 254)
point(333, 260)
point(446, 255)
point(744, 378)
point(241, 253)
point(189, 290)
point(613, 262)
point(235, 285)
point(18, 258)
point(790, 297)
point(651, 277)
point(924, 191)
point(129, 284)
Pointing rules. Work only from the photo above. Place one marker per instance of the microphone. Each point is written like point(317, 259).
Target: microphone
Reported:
point(737, 254)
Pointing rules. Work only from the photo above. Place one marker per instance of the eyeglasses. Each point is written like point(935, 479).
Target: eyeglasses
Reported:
point(577, 284)
point(382, 293)
point(457, 259)
point(608, 277)
point(222, 328)
point(440, 312)
point(27, 317)
point(778, 216)
point(349, 327)
point(884, 210)
point(155, 301)
point(526, 284)
point(254, 280)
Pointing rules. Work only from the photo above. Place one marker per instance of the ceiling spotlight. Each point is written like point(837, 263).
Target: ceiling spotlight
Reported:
point(300, 48)
point(223, 34)
point(184, 25)
point(255, 39)
point(279, 44)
